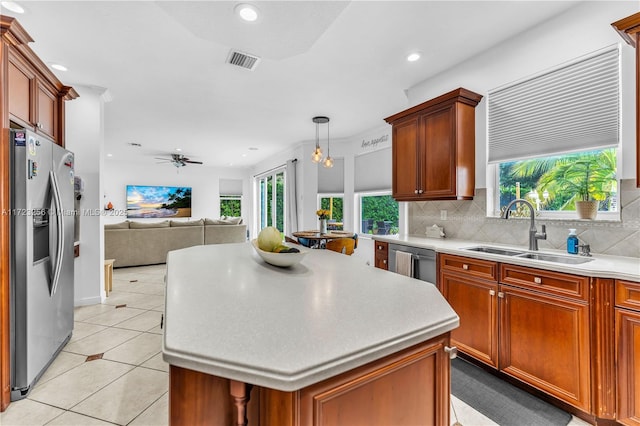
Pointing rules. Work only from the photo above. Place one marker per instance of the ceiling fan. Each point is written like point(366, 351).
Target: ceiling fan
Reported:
point(177, 160)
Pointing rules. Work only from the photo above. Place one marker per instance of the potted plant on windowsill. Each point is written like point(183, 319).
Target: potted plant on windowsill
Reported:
point(590, 178)
point(582, 182)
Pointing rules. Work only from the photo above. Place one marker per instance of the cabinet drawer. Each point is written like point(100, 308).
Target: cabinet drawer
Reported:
point(628, 294)
point(550, 282)
point(382, 248)
point(475, 267)
point(381, 255)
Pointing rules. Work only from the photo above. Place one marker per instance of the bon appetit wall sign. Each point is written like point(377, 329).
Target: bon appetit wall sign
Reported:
point(376, 142)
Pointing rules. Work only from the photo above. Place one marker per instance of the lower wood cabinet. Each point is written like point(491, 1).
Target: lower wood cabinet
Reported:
point(628, 351)
point(411, 387)
point(381, 255)
point(544, 341)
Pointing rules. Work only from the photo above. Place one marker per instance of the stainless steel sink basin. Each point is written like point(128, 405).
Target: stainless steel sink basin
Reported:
point(495, 250)
point(554, 258)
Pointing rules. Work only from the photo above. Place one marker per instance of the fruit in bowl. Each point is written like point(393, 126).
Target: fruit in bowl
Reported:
point(279, 254)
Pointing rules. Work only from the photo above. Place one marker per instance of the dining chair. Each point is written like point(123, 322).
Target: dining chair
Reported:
point(341, 245)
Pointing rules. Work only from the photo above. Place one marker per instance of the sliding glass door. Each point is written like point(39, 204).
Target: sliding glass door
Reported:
point(271, 199)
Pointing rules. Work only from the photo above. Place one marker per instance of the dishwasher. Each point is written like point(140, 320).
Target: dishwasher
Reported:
point(424, 261)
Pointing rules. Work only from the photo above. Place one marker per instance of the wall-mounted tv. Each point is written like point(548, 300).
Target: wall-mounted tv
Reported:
point(158, 201)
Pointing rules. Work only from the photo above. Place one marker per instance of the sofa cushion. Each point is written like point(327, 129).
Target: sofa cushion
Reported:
point(186, 222)
point(142, 225)
point(121, 225)
point(223, 221)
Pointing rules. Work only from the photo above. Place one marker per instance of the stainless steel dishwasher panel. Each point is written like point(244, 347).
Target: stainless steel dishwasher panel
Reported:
point(424, 261)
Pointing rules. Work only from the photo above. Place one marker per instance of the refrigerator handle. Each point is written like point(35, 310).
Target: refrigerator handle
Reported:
point(57, 201)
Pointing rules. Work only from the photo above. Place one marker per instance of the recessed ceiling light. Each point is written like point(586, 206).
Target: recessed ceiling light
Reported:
point(59, 67)
point(247, 12)
point(179, 149)
point(244, 155)
point(109, 155)
point(12, 6)
point(412, 57)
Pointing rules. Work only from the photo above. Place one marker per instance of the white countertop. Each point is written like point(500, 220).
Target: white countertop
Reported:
point(602, 266)
point(230, 314)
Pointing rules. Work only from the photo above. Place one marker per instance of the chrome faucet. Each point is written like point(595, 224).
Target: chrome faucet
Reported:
point(534, 236)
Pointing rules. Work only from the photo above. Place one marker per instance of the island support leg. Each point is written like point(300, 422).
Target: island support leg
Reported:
point(240, 392)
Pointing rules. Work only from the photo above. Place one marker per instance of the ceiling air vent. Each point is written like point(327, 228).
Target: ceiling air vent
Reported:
point(243, 60)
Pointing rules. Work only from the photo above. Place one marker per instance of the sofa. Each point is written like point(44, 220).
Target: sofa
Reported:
point(133, 243)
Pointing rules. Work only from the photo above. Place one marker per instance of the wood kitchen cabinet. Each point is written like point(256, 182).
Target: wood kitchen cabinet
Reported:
point(433, 148)
point(627, 313)
point(471, 286)
point(381, 258)
point(530, 324)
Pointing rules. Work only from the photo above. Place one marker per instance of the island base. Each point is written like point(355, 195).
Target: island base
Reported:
point(410, 387)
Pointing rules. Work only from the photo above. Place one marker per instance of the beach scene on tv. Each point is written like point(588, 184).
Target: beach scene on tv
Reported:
point(158, 201)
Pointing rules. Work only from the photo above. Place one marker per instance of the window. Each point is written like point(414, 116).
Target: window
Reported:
point(556, 183)
point(230, 197)
point(335, 206)
point(271, 199)
point(553, 138)
point(379, 213)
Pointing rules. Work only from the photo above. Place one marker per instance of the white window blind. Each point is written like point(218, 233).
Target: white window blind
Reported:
point(575, 107)
point(373, 171)
point(230, 186)
point(331, 181)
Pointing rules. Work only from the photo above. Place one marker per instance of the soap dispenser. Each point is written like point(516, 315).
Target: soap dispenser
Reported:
point(572, 242)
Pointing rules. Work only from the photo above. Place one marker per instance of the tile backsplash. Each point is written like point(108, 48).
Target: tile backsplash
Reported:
point(467, 220)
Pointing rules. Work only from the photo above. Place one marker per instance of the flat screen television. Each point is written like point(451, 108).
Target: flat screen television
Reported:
point(144, 201)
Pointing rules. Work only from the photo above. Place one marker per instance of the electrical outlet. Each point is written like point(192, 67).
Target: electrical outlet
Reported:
point(443, 215)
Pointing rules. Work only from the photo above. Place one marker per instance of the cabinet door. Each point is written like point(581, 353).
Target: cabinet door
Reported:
point(381, 255)
point(544, 341)
point(405, 161)
point(628, 362)
point(46, 111)
point(475, 302)
point(438, 154)
point(20, 92)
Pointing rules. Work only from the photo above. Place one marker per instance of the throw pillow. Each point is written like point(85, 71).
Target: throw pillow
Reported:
point(174, 223)
point(143, 225)
point(121, 225)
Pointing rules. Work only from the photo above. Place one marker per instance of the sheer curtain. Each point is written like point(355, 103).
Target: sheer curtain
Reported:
point(292, 199)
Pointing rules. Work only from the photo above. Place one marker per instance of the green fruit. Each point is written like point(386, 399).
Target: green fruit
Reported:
point(269, 238)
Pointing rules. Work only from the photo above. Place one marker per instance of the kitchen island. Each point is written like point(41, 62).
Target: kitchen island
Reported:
point(327, 341)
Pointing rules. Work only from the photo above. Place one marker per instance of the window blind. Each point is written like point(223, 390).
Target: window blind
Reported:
point(331, 181)
point(373, 171)
point(230, 186)
point(575, 107)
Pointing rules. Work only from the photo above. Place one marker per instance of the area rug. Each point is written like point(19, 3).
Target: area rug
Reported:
point(500, 401)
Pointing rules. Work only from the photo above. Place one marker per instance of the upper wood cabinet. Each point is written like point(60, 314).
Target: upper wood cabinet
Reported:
point(35, 96)
point(629, 29)
point(433, 150)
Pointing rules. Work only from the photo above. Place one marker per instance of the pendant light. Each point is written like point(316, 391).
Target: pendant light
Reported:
point(328, 162)
point(316, 157)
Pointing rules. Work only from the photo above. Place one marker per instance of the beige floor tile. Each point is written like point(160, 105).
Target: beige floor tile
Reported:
point(129, 299)
point(84, 329)
point(467, 416)
point(145, 288)
point(28, 412)
point(82, 313)
point(156, 415)
point(147, 301)
point(156, 330)
point(101, 341)
point(137, 350)
point(159, 308)
point(156, 363)
point(114, 316)
point(75, 385)
point(142, 322)
point(124, 399)
point(69, 418)
point(64, 362)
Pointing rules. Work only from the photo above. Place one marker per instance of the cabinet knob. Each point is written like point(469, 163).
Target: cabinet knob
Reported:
point(492, 292)
point(384, 261)
point(465, 266)
point(452, 351)
point(537, 280)
point(379, 247)
point(501, 295)
point(415, 192)
point(420, 191)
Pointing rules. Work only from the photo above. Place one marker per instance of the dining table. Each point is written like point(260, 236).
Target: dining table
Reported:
point(318, 240)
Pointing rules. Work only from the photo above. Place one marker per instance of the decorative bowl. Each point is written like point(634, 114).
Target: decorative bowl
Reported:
point(281, 259)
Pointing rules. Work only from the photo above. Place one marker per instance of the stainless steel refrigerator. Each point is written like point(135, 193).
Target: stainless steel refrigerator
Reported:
point(42, 223)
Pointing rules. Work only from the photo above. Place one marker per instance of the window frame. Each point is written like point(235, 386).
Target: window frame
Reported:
point(261, 215)
point(358, 211)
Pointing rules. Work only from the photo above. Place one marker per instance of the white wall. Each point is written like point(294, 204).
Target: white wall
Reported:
point(85, 137)
point(203, 180)
point(580, 30)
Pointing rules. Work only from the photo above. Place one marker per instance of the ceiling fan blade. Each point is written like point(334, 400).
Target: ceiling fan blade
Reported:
point(193, 162)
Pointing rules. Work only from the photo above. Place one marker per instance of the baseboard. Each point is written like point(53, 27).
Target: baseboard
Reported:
point(87, 301)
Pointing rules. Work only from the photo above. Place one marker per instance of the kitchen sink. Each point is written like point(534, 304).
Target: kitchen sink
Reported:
point(496, 250)
point(553, 258)
point(547, 257)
